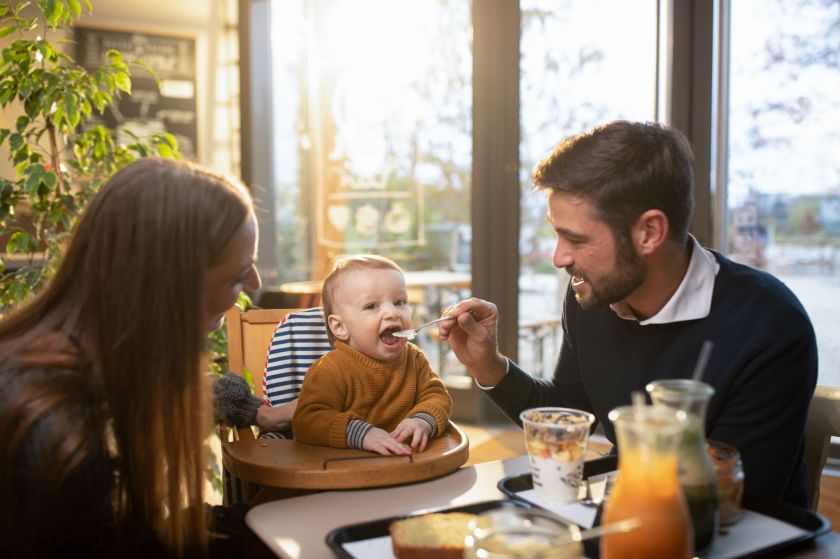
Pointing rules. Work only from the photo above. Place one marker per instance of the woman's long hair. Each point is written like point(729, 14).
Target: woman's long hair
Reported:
point(131, 291)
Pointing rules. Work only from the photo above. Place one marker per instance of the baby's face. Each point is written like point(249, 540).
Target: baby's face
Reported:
point(370, 306)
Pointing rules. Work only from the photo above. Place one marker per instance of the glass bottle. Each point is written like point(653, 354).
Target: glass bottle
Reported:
point(516, 532)
point(696, 471)
point(730, 480)
point(647, 487)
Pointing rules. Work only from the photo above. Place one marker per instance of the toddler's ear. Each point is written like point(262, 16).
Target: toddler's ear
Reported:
point(337, 327)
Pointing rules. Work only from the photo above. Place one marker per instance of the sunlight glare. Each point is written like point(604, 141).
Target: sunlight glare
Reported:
point(374, 48)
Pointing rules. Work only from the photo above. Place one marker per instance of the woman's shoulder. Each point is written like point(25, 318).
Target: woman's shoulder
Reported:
point(57, 454)
point(50, 408)
point(46, 388)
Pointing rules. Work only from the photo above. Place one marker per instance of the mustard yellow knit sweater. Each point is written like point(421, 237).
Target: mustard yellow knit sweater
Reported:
point(346, 384)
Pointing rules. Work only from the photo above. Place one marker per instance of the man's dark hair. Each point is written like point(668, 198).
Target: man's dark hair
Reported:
point(624, 169)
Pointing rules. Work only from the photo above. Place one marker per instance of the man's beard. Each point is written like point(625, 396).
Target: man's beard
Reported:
point(627, 275)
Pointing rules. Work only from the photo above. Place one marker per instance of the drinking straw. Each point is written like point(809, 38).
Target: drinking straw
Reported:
point(637, 397)
point(700, 368)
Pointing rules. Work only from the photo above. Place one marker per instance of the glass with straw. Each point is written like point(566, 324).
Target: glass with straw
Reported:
point(696, 472)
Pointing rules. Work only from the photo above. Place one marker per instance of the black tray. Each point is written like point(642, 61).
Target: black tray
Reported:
point(812, 523)
point(377, 528)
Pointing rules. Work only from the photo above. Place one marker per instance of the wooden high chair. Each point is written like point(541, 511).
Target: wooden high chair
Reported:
point(251, 465)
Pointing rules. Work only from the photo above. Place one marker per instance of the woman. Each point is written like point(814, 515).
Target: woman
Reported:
point(104, 401)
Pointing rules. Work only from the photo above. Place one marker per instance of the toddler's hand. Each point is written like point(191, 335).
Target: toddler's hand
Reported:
point(378, 440)
point(415, 429)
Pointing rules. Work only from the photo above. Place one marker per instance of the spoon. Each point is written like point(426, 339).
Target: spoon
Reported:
point(602, 530)
point(411, 333)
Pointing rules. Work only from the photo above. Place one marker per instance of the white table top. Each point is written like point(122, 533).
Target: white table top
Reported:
point(296, 528)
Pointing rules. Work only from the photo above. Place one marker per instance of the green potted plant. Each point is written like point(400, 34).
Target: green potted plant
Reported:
point(60, 160)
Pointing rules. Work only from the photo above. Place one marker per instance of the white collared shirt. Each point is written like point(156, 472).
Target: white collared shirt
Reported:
point(693, 297)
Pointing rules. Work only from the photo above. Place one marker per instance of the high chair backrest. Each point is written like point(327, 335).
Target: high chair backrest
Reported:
point(249, 336)
point(299, 340)
point(277, 346)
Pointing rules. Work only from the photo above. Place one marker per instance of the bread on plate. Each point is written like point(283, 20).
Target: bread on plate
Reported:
point(438, 535)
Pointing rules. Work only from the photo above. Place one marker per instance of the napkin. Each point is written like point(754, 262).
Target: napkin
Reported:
point(575, 512)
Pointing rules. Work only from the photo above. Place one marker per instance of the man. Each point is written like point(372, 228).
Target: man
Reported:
point(642, 299)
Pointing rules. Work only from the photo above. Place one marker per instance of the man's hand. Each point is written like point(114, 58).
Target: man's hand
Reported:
point(474, 339)
point(378, 440)
point(415, 429)
point(276, 418)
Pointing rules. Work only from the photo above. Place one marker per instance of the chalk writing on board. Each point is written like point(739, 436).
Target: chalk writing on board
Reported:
point(148, 110)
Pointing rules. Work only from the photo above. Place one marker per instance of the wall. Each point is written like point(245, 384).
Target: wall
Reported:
point(209, 21)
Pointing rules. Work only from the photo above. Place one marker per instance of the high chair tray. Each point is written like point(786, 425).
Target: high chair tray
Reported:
point(293, 465)
point(766, 527)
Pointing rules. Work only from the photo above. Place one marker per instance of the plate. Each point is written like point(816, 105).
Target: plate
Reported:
point(372, 539)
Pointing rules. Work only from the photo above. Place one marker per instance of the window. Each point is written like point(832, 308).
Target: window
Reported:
point(783, 175)
point(374, 128)
point(571, 59)
point(364, 110)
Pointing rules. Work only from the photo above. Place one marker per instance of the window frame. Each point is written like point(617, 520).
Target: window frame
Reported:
point(691, 92)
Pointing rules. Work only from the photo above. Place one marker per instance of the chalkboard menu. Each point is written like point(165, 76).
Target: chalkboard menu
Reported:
point(148, 110)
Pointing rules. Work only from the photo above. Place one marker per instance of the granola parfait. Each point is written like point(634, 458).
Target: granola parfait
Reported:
point(556, 441)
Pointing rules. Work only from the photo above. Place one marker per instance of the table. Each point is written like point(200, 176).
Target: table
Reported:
point(296, 528)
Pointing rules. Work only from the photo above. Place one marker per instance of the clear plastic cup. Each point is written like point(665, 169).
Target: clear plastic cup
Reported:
point(556, 440)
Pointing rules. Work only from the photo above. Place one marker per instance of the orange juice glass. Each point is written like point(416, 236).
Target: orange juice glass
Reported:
point(648, 487)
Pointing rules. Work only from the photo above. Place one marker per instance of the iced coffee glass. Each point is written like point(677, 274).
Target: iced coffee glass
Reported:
point(556, 441)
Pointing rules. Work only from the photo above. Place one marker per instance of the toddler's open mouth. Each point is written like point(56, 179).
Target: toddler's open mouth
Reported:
point(388, 338)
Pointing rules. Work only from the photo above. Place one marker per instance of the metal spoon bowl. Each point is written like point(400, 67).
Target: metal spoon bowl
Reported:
point(411, 333)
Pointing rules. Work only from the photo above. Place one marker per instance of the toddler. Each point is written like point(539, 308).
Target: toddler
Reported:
point(374, 391)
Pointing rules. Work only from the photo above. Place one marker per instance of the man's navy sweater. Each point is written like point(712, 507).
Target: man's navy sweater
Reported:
point(763, 369)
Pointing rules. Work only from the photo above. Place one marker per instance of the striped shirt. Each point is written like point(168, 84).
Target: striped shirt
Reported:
point(299, 340)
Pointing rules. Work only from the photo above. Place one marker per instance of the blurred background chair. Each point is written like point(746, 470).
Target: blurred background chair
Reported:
point(823, 423)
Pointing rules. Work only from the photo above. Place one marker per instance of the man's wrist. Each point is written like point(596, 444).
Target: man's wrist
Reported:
point(494, 375)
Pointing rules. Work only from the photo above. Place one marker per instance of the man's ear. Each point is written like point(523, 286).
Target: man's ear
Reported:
point(337, 327)
point(650, 231)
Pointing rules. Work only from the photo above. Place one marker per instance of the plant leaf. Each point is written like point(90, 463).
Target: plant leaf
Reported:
point(50, 179)
point(150, 70)
point(164, 150)
point(53, 10)
point(7, 30)
point(123, 82)
point(21, 241)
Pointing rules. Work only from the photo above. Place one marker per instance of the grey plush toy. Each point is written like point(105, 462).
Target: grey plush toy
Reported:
point(233, 402)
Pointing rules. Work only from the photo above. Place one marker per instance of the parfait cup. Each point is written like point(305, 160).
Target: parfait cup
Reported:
point(556, 440)
point(647, 487)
